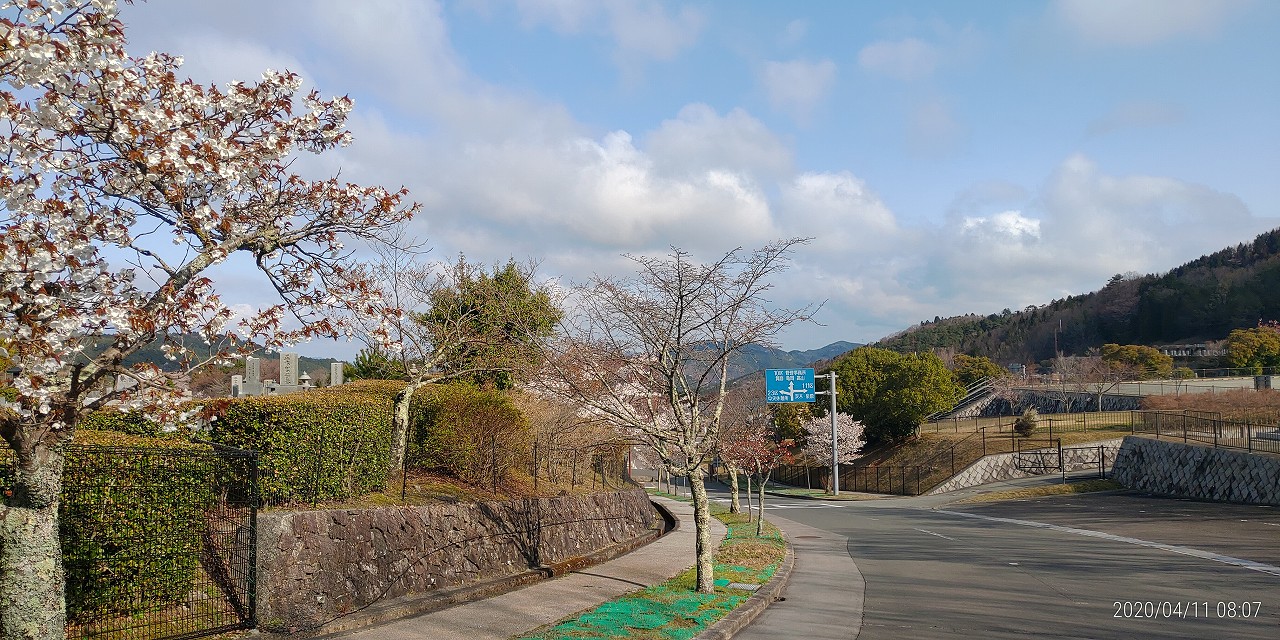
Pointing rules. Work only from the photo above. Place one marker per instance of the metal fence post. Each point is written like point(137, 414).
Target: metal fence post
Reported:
point(251, 581)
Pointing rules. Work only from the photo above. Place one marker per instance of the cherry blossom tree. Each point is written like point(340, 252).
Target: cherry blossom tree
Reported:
point(123, 186)
point(758, 450)
point(651, 355)
point(817, 441)
point(744, 406)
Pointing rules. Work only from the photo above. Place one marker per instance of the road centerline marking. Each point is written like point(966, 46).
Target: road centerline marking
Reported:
point(934, 534)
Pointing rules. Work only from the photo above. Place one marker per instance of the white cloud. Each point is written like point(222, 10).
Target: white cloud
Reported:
point(839, 210)
point(698, 139)
point(1003, 227)
point(907, 59)
point(797, 86)
point(1076, 231)
point(639, 28)
point(1145, 22)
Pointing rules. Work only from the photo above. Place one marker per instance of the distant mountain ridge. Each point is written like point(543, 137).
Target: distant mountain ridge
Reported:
point(1198, 302)
point(153, 354)
point(754, 358)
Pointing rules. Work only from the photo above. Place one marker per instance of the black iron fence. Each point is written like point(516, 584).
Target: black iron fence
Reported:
point(157, 542)
point(1049, 422)
point(909, 480)
point(1209, 429)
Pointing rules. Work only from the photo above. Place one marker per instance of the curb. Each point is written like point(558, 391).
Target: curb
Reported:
point(746, 613)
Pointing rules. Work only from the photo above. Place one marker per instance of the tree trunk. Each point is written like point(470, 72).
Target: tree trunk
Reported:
point(764, 480)
point(735, 506)
point(748, 477)
point(702, 525)
point(32, 581)
point(400, 428)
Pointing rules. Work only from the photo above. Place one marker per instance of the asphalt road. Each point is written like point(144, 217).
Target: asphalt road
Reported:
point(1096, 566)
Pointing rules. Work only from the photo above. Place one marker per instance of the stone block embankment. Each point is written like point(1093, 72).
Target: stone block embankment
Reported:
point(1194, 471)
point(315, 567)
point(1007, 466)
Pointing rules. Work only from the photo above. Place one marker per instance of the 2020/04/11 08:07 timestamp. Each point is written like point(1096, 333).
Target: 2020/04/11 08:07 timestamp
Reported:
point(1189, 609)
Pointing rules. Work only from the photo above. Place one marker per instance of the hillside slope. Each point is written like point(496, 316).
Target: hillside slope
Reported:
point(1199, 301)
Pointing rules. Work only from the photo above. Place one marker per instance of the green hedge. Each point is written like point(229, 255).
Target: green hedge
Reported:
point(132, 517)
point(476, 435)
point(132, 423)
point(327, 444)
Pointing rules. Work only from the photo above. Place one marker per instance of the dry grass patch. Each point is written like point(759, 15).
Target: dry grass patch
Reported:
point(1243, 405)
point(1086, 486)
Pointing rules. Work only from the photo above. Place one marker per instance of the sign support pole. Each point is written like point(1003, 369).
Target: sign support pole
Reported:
point(835, 458)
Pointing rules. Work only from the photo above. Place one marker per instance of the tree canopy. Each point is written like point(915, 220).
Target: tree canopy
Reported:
point(1255, 348)
point(892, 393)
point(1138, 361)
point(970, 369)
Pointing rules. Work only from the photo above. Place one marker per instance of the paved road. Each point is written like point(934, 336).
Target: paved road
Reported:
point(1097, 566)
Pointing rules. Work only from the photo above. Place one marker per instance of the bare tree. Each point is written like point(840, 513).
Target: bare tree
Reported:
point(446, 321)
point(1090, 375)
point(651, 355)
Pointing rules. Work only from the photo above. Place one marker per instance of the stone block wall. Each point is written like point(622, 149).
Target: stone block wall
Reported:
point(315, 567)
point(1004, 466)
point(1057, 402)
point(1194, 471)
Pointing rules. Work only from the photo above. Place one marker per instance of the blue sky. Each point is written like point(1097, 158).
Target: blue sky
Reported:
point(948, 157)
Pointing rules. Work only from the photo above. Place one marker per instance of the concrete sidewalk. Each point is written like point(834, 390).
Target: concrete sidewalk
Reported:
point(824, 593)
point(528, 608)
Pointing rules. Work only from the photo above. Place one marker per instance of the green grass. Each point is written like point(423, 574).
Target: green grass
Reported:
point(674, 610)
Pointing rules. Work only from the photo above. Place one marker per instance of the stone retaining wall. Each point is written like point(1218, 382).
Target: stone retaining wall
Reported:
point(1003, 466)
point(1194, 471)
point(1057, 402)
point(315, 567)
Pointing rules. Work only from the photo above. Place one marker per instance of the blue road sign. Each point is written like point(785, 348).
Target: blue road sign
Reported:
point(788, 385)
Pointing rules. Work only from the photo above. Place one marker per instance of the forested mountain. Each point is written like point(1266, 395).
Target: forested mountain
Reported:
point(754, 358)
point(1200, 301)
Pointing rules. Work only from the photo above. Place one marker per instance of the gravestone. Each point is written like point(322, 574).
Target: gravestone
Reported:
point(335, 373)
point(288, 369)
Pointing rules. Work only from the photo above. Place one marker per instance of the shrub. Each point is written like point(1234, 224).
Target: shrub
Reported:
point(327, 444)
point(132, 423)
point(132, 517)
point(1025, 425)
point(476, 435)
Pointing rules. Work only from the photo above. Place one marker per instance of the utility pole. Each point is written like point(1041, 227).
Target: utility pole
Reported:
point(835, 444)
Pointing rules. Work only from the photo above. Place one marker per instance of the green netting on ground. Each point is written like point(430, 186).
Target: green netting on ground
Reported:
point(656, 612)
point(672, 610)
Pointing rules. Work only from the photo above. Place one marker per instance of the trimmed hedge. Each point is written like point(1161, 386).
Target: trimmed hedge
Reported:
point(132, 517)
point(327, 444)
point(132, 423)
point(476, 435)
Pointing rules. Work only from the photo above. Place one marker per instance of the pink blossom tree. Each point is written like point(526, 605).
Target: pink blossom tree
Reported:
point(849, 438)
point(123, 186)
point(758, 451)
